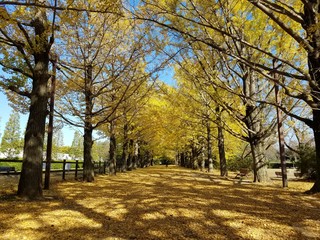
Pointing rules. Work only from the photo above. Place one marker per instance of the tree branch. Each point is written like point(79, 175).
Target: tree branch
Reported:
point(304, 43)
point(19, 70)
point(18, 91)
point(295, 16)
point(58, 8)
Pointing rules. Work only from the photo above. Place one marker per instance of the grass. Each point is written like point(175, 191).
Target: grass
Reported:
point(54, 165)
point(17, 165)
point(163, 203)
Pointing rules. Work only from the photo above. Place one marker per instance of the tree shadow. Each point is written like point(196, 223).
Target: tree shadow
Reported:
point(163, 203)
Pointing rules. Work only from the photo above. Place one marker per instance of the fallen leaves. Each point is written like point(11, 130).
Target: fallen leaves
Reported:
point(164, 203)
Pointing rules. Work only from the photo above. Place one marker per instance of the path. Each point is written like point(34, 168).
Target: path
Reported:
point(163, 203)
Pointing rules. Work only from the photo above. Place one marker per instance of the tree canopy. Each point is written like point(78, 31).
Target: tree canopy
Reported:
point(11, 142)
point(227, 58)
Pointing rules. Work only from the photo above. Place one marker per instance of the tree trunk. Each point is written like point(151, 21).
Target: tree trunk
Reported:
point(202, 158)
point(253, 123)
point(112, 150)
point(88, 166)
point(316, 121)
point(222, 154)
point(124, 158)
point(311, 20)
point(189, 159)
point(50, 128)
point(259, 164)
point(316, 186)
point(139, 157)
point(177, 159)
point(209, 145)
point(131, 155)
point(182, 159)
point(135, 156)
point(194, 159)
point(259, 161)
point(30, 182)
point(146, 159)
point(281, 138)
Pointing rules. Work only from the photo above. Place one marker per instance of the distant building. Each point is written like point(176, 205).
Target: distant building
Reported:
point(5, 156)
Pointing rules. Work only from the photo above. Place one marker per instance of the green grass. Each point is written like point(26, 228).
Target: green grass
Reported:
point(54, 165)
point(17, 165)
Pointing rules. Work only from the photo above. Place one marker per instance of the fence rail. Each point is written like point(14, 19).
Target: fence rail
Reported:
point(99, 167)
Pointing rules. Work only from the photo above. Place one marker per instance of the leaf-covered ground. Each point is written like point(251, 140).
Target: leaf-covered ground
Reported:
point(162, 203)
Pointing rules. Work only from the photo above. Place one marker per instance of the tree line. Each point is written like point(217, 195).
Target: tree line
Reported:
point(228, 57)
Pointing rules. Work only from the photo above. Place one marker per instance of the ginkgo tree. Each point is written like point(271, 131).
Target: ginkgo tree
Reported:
point(156, 128)
point(300, 21)
point(197, 116)
point(208, 107)
point(125, 126)
point(294, 20)
point(209, 63)
point(26, 37)
point(232, 86)
point(104, 63)
point(27, 33)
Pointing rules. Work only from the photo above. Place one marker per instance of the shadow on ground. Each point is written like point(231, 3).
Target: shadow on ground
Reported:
point(163, 203)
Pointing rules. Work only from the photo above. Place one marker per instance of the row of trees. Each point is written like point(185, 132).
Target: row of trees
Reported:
point(103, 70)
point(251, 46)
point(228, 58)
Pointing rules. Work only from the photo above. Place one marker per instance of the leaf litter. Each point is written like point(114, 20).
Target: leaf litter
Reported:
point(161, 203)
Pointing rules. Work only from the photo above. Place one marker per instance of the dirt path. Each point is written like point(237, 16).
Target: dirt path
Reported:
point(163, 203)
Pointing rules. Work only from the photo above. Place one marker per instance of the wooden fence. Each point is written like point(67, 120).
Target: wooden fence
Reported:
point(67, 166)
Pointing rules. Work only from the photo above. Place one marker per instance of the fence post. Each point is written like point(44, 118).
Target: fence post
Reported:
point(76, 173)
point(64, 170)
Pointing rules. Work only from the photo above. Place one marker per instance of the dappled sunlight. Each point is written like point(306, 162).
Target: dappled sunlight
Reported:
point(228, 214)
point(112, 207)
point(192, 213)
point(246, 225)
point(309, 228)
point(157, 234)
point(150, 201)
point(197, 227)
point(30, 234)
point(114, 238)
point(61, 219)
point(16, 223)
point(163, 203)
point(27, 224)
point(153, 216)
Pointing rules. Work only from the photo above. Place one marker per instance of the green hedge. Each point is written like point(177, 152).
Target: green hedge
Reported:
point(237, 162)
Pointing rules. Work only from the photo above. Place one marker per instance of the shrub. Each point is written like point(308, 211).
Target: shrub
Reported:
point(237, 162)
point(164, 159)
point(306, 161)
